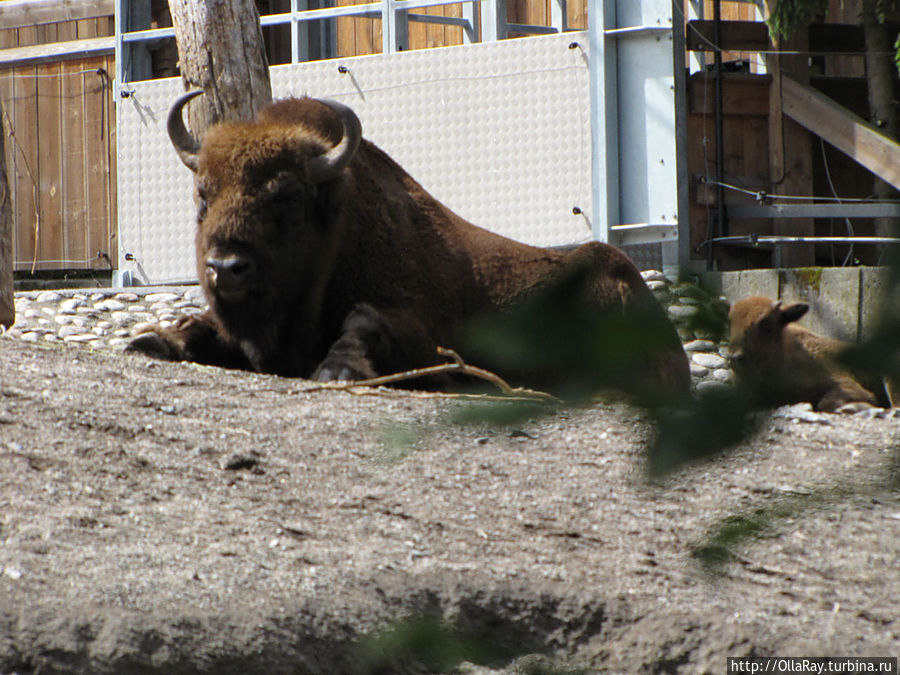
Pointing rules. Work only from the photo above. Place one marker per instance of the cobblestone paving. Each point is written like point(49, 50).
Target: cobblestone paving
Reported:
point(107, 318)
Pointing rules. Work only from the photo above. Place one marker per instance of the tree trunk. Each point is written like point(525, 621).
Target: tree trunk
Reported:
point(882, 109)
point(7, 304)
point(220, 49)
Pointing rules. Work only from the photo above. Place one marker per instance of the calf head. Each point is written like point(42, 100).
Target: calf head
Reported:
point(267, 204)
point(758, 339)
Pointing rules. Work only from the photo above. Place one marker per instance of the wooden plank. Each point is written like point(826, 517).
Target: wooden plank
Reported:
point(99, 158)
point(750, 36)
point(742, 94)
point(846, 131)
point(7, 299)
point(791, 163)
point(35, 54)
point(17, 13)
point(418, 33)
point(23, 134)
point(346, 32)
point(577, 14)
point(73, 221)
point(108, 233)
point(49, 170)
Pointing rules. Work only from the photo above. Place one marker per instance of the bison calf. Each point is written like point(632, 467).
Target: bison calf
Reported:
point(785, 363)
point(321, 257)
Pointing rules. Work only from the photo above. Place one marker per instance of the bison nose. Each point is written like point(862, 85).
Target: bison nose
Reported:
point(228, 274)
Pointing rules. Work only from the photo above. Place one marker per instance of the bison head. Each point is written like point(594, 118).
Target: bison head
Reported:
point(267, 196)
point(758, 331)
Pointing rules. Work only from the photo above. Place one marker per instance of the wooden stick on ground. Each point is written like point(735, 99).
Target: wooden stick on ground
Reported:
point(457, 365)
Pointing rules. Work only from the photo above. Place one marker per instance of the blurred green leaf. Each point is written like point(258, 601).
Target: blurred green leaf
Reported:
point(425, 642)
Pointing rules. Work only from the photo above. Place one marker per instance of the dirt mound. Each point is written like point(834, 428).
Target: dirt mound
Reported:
point(160, 517)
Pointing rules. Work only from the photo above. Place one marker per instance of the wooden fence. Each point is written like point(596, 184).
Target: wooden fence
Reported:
point(59, 117)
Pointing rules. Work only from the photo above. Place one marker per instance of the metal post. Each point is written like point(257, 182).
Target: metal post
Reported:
point(720, 151)
point(681, 141)
point(604, 118)
point(468, 13)
point(493, 20)
point(559, 15)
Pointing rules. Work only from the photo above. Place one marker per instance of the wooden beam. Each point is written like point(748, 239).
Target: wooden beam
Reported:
point(57, 51)
point(739, 36)
point(18, 13)
point(753, 36)
point(849, 133)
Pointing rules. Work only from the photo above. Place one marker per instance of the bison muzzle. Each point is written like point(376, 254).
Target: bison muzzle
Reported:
point(321, 257)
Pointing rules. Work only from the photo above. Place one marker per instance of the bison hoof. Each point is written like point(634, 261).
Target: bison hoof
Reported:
point(151, 344)
point(854, 407)
point(344, 372)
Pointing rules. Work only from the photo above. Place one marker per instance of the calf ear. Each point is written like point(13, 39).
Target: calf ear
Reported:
point(793, 312)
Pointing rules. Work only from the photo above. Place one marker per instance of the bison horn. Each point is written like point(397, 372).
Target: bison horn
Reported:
point(185, 144)
point(329, 165)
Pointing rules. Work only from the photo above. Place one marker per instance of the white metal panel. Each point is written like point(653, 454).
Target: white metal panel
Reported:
point(156, 208)
point(499, 132)
point(633, 89)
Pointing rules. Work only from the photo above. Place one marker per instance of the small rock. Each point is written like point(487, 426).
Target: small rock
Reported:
point(121, 318)
point(126, 297)
point(656, 286)
point(801, 412)
point(110, 305)
point(81, 338)
point(48, 296)
point(708, 360)
point(142, 327)
point(195, 295)
point(654, 275)
point(237, 461)
point(69, 306)
point(69, 331)
point(13, 573)
point(700, 346)
point(698, 371)
point(153, 298)
point(723, 375)
point(682, 311)
point(712, 385)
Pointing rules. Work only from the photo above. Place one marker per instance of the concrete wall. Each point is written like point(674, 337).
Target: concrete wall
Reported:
point(845, 302)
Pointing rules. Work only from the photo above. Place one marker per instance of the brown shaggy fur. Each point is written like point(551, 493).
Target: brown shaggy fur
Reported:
point(365, 274)
point(791, 364)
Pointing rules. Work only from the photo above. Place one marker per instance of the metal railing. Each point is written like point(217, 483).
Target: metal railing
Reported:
point(481, 20)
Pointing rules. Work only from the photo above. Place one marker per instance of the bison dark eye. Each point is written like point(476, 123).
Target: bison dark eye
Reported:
point(202, 204)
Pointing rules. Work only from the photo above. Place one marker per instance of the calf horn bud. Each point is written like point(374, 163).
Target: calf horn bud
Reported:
point(185, 144)
point(329, 165)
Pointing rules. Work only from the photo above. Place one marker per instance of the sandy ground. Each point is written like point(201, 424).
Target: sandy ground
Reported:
point(160, 517)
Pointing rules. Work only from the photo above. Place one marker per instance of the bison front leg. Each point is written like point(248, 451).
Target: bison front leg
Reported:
point(377, 342)
point(192, 338)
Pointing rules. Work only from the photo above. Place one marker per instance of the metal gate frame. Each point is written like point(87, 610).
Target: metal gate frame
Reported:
point(633, 56)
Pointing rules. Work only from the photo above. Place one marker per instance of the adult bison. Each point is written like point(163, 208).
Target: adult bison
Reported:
point(321, 257)
point(786, 363)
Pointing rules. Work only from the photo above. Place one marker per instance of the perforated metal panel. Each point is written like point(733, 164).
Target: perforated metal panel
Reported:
point(499, 132)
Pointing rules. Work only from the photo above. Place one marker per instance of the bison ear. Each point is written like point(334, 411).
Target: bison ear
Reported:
point(793, 312)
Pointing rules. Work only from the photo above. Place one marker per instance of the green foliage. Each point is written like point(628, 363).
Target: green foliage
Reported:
point(398, 441)
point(425, 643)
point(558, 340)
point(730, 534)
point(500, 413)
point(714, 422)
point(789, 15)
